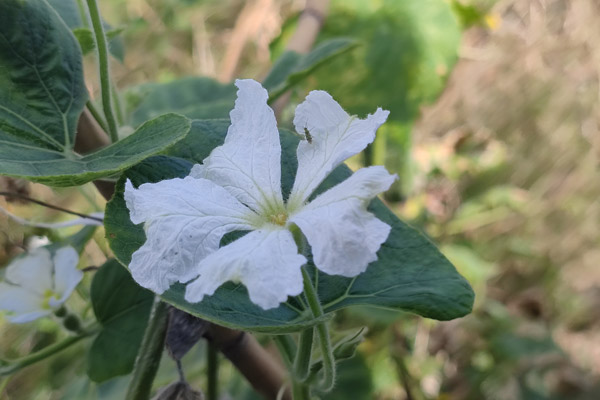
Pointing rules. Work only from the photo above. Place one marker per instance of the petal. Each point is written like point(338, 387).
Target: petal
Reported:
point(32, 271)
point(248, 163)
point(22, 305)
point(344, 236)
point(185, 220)
point(265, 261)
point(336, 136)
point(66, 274)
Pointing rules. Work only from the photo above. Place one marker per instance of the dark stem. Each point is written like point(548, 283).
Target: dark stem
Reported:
point(48, 205)
point(265, 375)
point(150, 353)
point(212, 388)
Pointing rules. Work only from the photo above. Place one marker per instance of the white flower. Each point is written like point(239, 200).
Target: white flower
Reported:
point(238, 188)
point(36, 283)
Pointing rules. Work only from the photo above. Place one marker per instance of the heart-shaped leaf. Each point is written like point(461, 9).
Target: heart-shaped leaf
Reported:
point(122, 309)
point(410, 274)
point(44, 94)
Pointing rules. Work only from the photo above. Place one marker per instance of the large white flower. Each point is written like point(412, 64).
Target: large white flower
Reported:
point(238, 188)
point(36, 283)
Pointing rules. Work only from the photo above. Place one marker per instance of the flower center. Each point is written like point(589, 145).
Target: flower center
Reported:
point(48, 294)
point(278, 219)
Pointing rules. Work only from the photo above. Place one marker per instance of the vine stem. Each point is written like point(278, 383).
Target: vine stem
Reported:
point(302, 360)
point(8, 367)
point(149, 353)
point(322, 332)
point(105, 85)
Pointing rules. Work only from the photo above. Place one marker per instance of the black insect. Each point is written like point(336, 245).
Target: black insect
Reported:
point(307, 135)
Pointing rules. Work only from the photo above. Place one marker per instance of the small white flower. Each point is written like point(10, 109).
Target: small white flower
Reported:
point(238, 188)
point(36, 283)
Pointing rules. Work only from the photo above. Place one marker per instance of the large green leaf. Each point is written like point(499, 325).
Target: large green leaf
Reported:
point(409, 49)
point(411, 274)
point(122, 309)
point(291, 68)
point(43, 94)
point(194, 97)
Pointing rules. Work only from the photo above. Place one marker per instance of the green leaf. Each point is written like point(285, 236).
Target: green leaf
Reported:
point(44, 94)
point(65, 168)
point(41, 75)
point(194, 97)
point(122, 309)
point(86, 40)
point(74, 17)
point(409, 49)
point(291, 68)
point(411, 274)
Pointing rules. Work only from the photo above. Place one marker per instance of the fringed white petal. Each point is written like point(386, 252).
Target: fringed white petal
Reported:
point(343, 235)
point(265, 261)
point(335, 136)
point(185, 220)
point(248, 164)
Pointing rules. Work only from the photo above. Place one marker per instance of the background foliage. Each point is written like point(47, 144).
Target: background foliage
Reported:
point(495, 135)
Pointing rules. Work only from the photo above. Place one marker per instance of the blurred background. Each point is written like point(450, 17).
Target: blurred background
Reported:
point(495, 133)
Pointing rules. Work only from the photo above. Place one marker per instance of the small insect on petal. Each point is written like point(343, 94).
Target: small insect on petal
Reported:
point(307, 135)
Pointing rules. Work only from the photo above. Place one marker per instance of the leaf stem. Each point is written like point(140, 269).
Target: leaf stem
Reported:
point(300, 391)
point(322, 332)
point(102, 47)
point(8, 367)
point(149, 353)
point(287, 348)
point(212, 374)
point(302, 360)
point(96, 114)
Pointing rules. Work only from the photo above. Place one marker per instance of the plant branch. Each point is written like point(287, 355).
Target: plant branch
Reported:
point(322, 332)
point(302, 361)
point(265, 375)
point(96, 114)
point(48, 205)
point(105, 85)
point(150, 353)
point(8, 367)
point(212, 392)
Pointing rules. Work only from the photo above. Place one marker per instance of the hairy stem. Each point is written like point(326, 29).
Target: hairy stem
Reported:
point(287, 348)
point(300, 391)
point(322, 332)
point(302, 361)
point(102, 47)
point(149, 353)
